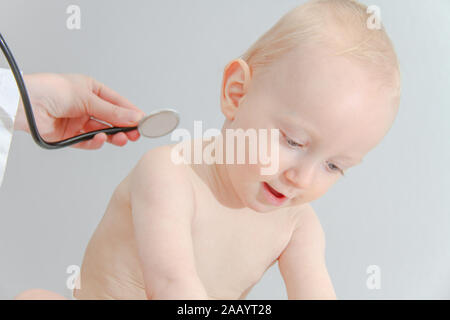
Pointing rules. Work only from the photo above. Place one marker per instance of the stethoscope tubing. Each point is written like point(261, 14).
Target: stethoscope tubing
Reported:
point(30, 116)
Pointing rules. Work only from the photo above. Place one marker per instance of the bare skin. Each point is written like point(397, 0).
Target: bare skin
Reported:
point(227, 244)
point(209, 231)
point(233, 246)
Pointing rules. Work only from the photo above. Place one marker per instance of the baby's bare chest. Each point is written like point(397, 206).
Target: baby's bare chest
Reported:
point(233, 249)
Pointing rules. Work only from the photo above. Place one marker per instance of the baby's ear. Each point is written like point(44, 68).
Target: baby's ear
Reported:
point(236, 80)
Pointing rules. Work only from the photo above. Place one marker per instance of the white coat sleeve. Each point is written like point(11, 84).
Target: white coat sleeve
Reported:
point(9, 101)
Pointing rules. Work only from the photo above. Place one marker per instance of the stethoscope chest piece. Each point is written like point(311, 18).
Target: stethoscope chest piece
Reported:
point(158, 123)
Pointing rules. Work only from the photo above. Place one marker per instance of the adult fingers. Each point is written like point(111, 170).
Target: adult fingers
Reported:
point(113, 114)
point(133, 135)
point(111, 96)
point(95, 143)
point(93, 125)
point(118, 139)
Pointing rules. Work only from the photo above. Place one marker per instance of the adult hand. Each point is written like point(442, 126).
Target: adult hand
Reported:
point(63, 105)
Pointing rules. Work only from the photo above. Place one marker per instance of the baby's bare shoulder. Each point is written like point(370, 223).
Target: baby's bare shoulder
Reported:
point(156, 176)
point(160, 161)
point(308, 225)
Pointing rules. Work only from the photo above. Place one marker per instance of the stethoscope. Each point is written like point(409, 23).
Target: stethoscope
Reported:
point(156, 124)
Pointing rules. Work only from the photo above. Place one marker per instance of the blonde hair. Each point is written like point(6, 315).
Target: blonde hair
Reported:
point(341, 24)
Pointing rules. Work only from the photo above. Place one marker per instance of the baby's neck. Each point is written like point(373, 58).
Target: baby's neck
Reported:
point(215, 176)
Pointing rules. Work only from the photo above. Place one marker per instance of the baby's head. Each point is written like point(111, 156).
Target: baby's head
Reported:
point(328, 82)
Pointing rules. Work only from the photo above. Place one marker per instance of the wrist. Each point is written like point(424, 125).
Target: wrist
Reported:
point(32, 81)
point(20, 121)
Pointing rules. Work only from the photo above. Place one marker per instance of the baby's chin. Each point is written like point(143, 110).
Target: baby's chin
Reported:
point(263, 208)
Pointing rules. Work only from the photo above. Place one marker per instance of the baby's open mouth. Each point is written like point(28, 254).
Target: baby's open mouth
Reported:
point(274, 192)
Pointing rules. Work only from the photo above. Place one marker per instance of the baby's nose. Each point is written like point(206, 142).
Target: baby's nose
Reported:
point(301, 177)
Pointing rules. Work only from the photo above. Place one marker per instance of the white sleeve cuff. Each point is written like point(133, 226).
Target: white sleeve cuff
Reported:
point(9, 101)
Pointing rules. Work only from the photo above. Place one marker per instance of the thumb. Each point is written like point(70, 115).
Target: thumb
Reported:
point(113, 114)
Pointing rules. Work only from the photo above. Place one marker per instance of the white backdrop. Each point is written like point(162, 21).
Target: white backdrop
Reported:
point(392, 211)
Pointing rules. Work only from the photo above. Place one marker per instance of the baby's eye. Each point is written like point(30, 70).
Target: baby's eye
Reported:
point(335, 168)
point(292, 143)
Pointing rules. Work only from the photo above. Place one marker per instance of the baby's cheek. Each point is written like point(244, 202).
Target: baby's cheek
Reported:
point(320, 187)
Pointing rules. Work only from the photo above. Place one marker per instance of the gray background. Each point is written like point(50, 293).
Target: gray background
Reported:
point(392, 211)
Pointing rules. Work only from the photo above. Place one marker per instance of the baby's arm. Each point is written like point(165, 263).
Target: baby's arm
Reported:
point(302, 263)
point(162, 205)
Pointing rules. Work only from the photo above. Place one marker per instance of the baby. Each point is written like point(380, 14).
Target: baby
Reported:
point(331, 85)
